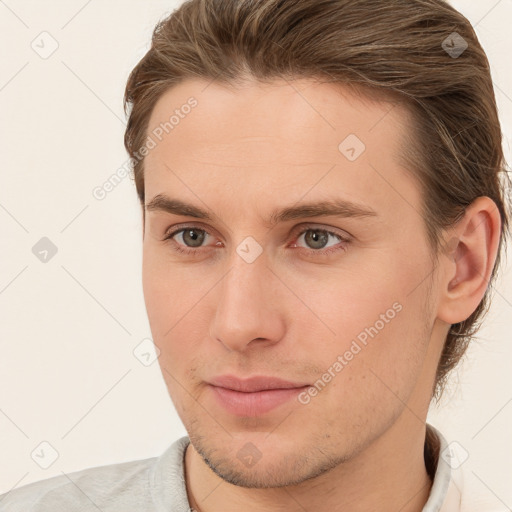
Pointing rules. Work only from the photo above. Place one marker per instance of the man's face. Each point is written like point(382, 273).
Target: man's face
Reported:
point(352, 319)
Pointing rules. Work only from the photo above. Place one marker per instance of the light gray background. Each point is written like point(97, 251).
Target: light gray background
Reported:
point(69, 326)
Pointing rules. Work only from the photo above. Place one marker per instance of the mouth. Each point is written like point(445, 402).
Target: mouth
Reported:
point(254, 396)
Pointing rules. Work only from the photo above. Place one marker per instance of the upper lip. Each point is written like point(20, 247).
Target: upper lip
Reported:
point(255, 383)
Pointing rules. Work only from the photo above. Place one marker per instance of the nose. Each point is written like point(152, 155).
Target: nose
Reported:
point(249, 306)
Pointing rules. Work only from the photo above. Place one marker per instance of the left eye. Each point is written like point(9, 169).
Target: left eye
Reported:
point(318, 238)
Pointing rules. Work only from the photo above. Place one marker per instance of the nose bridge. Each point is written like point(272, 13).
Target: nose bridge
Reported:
point(244, 311)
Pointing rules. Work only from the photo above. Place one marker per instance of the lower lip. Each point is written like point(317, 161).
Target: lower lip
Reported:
point(253, 404)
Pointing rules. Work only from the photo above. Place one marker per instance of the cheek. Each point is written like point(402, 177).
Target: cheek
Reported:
point(164, 286)
point(175, 315)
point(156, 294)
point(372, 364)
point(164, 308)
point(367, 321)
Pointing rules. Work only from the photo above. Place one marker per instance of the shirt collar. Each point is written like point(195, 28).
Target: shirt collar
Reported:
point(445, 494)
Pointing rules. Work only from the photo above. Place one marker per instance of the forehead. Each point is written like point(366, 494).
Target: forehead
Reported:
point(296, 136)
point(301, 106)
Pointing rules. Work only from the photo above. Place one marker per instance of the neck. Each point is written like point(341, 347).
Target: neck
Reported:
point(393, 468)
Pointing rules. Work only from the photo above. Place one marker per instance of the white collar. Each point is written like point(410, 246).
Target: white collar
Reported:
point(446, 492)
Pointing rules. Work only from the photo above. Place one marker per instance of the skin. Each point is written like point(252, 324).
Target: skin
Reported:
point(240, 154)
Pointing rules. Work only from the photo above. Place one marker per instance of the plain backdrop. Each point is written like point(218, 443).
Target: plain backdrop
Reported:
point(71, 326)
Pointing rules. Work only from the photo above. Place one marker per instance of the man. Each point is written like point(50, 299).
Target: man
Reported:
point(319, 183)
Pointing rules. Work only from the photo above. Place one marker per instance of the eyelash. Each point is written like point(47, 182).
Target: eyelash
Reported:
point(318, 252)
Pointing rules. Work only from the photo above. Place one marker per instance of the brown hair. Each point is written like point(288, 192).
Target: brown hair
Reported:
point(399, 49)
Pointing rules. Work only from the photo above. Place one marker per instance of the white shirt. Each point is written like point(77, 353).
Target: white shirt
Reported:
point(158, 485)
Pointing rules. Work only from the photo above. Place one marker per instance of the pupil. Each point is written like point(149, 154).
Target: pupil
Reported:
point(196, 238)
point(315, 237)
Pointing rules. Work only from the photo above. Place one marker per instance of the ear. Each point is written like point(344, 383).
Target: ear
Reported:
point(469, 260)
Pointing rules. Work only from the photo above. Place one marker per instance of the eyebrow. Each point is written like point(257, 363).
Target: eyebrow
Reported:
point(333, 207)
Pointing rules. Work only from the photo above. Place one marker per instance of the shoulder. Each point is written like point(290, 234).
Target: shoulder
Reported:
point(111, 488)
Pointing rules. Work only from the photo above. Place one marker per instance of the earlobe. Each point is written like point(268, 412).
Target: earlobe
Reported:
point(469, 260)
